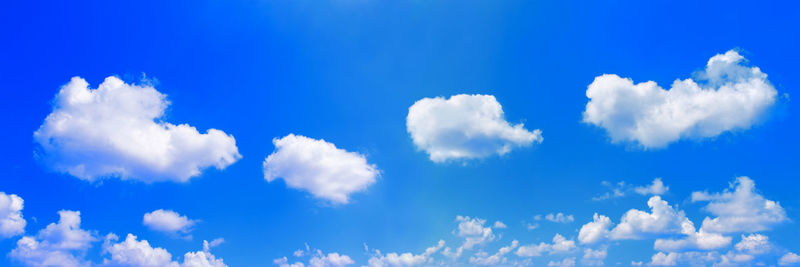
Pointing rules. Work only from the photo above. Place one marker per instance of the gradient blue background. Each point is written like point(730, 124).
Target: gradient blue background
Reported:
point(347, 71)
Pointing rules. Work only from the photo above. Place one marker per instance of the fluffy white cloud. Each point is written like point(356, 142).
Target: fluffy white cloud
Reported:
point(789, 259)
point(11, 221)
point(394, 259)
point(754, 244)
point(331, 260)
point(558, 218)
point(168, 221)
point(699, 240)
point(139, 253)
point(494, 259)
point(568, 262)
point(59, 244)
point(655, 188)
point(560, 245)
point(117, 130)
point(740, 209)
point(596, 230)
point(319, 167)
point(465, 127)
point(132, 252)
point(473, 231)
point(594, 257)
point(663, 219)
point(726, 96)
point(500, 225)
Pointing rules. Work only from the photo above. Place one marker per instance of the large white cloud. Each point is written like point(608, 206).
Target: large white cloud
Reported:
point(663, 219)
point(319, 167)
point(168, 221)
point(59, 244)
point(465, 127)
point(596, 230)
point(726, 96)
point(740, 209)
point(117, 130)
point(11, 221)
point(139, 253)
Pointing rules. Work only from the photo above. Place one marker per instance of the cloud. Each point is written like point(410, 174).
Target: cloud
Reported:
point(594, 257)
point(395, 259)
point(496, 258)
point(319, 167)
point(465, 127)
point(560, 245)
point(568, 262)
point(663, 219)
point(139, 253)
point(789, 259)
point(740, 209)
point(168, 221)
point(11, 221)
point(499, 225)
point(655, 188)
point(726, 96)
point(556, 218)
point(596, 230)
point(59, 244)
point(331, 260)
point(117, 130)
point(754, 244)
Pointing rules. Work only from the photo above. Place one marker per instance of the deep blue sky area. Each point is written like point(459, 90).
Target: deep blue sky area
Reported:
point(347, 71)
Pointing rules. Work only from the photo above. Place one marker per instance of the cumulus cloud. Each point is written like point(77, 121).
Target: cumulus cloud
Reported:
point(168, 221)
point(560, 245)
point(556, 217)
point(394, 259)
point(11, 221)
point(473, 231)
point(663, 219)
point(726, 96)
point(118, 130)
point(655, 188)
point(754, 244)
point(740, 209)
point(494, 259)
point(319, 167)
point(596, 230)
point(789, 259)
point(568, 262)
point(594, 257)
point(465, 127)
point(139, 253)
point(330, 260)
point(59, 244)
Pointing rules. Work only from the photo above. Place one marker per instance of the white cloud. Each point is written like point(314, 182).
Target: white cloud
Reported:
point(214, 243)
point(284, 262)
point(663, 219)
point(727, 96)
point(11, 221)
point(139, 253)
point(740, 209)
point(132, 252)
point(789, 259)
point(168, 221)
point(331, 260)
point(394, 259)
point(596, 230)
point(499, 225)
point(699, 240)
point(473, 231)
point(568, 262)
point(655, 188)
point(560, 245)
point(117, 130)
point(661, 259)
point(319, 167)
point(494, 259)
point(754, 244)
point(558, 218)
point(465, 127)
point(594, 257)
point(59, 244)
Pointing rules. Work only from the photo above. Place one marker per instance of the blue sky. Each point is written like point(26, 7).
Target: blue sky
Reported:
point(348, 72)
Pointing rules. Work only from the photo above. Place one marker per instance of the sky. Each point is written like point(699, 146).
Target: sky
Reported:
point(399, 133)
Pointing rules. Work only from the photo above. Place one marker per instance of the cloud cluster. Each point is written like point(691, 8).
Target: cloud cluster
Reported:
point(65, 244)
point(726, 96)
point(118, 130)
point(319, 167)
point(168, 221)
point(11, 221)
point(621, 189)
point(465, 127)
